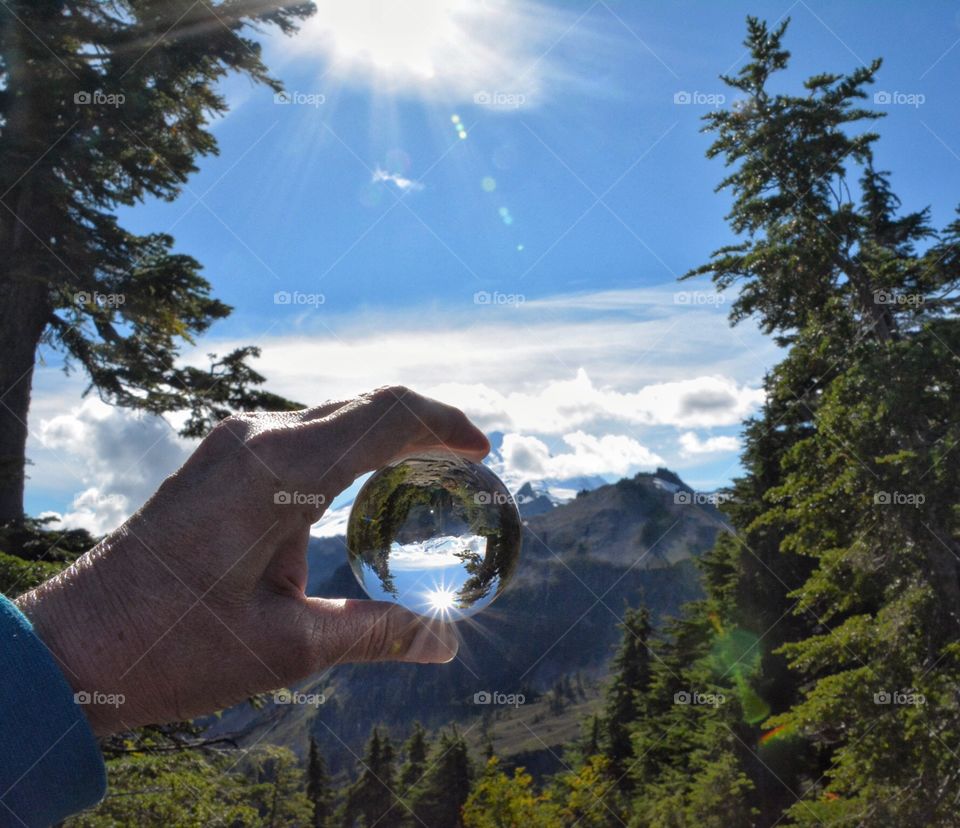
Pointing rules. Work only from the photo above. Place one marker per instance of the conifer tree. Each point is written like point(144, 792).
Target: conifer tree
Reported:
point(370, 799)
point(631, 675)
point(318, 788)
point(104, 105)
point(447, 783)
point(848, 503)
point(415, 751)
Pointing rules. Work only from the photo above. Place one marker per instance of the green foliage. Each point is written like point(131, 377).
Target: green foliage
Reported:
point(276, 785)
point(439, 798)
point(318, 789)
point(631, 667)
point(416, 750)
point(18, 576)
point(184, 789)
point(845, 559)
point(371, 799)
point(198, 789)
point(30, 539)
point(501, 801)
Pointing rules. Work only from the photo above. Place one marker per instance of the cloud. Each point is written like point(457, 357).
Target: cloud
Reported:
point(691, 444)
point(556, 406)
point(401, 183)
point(119, 456)
point(525, 457)
point(623, 340)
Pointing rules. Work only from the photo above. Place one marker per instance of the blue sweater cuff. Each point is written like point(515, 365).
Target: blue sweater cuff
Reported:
point(50, 763)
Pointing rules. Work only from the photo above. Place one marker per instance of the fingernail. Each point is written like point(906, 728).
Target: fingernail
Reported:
point(434, 644)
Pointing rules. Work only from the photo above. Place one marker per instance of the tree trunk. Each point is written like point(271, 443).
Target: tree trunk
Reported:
point(23, 317)
point(24, 298)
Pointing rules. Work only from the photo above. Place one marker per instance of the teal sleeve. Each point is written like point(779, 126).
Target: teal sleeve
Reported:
point(50, 763)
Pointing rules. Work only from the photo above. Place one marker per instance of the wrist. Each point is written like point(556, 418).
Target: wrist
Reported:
point(67, 618)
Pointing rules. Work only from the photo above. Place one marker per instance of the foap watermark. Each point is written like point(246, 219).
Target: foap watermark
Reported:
point(492, 498)
point(887, 297)
point(295, 697)
point(684, 98)
point(498, 698)
point(485, 297)
point(299, 498)
point(698, 297)
point(104, 500)
point(103, 300)
point(98, 97)
point(294, 98)
point(693, 697)
point(914, 99)
point(99, 699)
point(915, 499)
point(499, 99)
point(900, 697)
point(296, 297)
point(683, 498)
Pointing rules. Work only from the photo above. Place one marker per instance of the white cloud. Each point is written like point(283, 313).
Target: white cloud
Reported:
point(525, 457)
point(691, 444)
point(402, 183)
point(561, 404)
point(120, 457)
point(623, 340)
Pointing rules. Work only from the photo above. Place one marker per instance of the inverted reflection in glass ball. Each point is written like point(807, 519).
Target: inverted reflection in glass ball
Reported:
point(435, 533)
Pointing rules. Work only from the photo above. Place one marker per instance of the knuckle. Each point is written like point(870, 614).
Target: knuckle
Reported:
point(391, 394)
point(244, 444)
point(229, 430)
point(264, 442)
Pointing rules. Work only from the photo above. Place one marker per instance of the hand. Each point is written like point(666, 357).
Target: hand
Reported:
point(197, 601)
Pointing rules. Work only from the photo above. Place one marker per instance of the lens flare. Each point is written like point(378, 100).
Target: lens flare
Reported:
point(441, 599)
point(780, 732)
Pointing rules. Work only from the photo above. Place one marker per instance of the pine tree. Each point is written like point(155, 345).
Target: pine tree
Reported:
point(370, 799)
point(591, 743)
point(318, 788)
point(847, 504)
point(104, 105)
point(631, 676)
point(415, 750)
point(279, 786)
point(447, 783)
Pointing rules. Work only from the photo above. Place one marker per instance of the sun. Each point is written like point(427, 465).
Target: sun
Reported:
point(441, 600)
point(443, 51)
point(394, 37)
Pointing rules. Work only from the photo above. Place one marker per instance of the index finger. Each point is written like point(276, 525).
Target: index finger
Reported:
point(366, 434)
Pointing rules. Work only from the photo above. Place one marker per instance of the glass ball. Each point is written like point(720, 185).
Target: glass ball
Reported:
point(436, 534)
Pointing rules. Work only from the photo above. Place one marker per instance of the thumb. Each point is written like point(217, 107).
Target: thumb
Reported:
point(349, 630)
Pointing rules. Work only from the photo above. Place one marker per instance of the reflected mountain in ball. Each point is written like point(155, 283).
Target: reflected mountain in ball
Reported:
point(435, 533)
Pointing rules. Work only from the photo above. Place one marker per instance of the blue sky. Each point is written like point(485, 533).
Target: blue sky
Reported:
point(578, 195)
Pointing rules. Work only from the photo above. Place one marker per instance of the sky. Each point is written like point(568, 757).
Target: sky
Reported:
point(491, 203)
